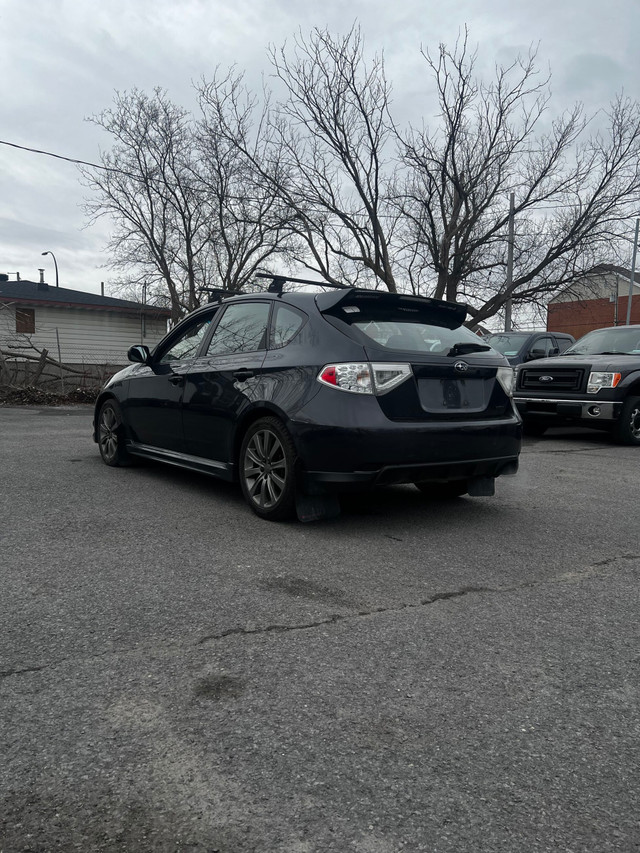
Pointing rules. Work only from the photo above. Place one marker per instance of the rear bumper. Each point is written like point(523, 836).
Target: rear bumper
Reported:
point(435, 472)
point(589, 411)
point(365, 448)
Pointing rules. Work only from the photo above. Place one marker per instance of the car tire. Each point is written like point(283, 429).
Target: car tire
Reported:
point(111, 440)
point(267, 470)
point(534, 429)
point(453, 489)
point(627, 428)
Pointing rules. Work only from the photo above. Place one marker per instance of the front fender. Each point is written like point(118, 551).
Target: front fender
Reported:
point(630, 384)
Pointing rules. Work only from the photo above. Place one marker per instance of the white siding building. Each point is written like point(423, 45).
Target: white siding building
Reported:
point(76, 328)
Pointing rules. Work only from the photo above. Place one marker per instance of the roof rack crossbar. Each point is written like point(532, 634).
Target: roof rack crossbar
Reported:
point(219, 293)
point(278, 282)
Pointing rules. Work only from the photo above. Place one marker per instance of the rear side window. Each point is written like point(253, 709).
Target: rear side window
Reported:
point(416, 337)
point(242, 328)
point(287, 323)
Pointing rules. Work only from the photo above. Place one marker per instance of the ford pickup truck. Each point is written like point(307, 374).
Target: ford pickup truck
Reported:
point(594, 383)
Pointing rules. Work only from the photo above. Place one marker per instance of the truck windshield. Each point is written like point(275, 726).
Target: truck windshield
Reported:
point(624, 340)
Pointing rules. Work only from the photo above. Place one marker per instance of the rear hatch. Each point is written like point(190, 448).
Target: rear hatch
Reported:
point(453, 374)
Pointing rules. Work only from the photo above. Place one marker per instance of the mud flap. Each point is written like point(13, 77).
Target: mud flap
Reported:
point(480, 487)
point(317, 507)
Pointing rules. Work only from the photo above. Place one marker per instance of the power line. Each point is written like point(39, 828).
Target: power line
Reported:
point(542, 206)
point(68, 159)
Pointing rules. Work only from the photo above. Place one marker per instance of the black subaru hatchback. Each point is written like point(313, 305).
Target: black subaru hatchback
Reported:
point(298, 395)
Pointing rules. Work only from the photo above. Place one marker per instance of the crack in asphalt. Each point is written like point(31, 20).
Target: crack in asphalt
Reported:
point(7, 673)
point(565, 577)
point(343, 617)
point(608, 560)
point(569, 576)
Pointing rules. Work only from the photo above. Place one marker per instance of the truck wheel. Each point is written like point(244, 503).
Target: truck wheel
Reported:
point(627, 427)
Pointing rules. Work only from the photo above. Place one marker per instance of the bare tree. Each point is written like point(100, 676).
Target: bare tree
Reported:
point(148, 190)
point(248, 221)
point(324, 155)
point(320, 177)
point(187, 211)
point(572, 192)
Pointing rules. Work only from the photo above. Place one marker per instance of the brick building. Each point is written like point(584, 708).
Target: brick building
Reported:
point(598, 300)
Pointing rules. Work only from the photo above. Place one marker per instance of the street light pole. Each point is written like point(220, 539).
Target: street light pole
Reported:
point(55, 263)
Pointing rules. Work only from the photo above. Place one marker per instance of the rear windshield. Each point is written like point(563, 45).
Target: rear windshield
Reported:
point(416, 337)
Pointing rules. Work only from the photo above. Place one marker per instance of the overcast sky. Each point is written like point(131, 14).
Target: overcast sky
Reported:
point(62, 60)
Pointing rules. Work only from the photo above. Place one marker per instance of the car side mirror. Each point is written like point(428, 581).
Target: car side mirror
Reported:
point(139, 354)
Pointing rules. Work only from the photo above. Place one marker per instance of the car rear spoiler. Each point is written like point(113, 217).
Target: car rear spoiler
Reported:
point(372, 304)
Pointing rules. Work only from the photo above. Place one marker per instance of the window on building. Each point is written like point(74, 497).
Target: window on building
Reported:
point(25, 321)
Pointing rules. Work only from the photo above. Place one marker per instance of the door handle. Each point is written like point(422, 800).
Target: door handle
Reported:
point(243, 374)
point(176, 380)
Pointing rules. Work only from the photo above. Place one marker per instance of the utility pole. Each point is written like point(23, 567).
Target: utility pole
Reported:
point(633, 272)
point(508, 304)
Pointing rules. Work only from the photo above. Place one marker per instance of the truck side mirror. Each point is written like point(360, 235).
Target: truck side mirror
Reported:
point(535, 353)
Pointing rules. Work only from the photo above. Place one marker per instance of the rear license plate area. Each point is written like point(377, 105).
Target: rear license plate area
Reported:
point(442, 395)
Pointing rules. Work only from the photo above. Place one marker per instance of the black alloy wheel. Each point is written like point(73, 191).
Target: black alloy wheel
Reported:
point(627, 427)
point(111, 436)
point(453, 489)
point(267, 470)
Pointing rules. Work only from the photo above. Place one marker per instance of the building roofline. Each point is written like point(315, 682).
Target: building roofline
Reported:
point(36, 293)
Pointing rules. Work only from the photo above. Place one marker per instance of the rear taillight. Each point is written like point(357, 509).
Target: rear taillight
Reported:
point(364, 378)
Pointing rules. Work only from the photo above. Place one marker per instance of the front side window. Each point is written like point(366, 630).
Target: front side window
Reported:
point(563, 343)
point(544, 345)
point(242, 328)
point(188, 343)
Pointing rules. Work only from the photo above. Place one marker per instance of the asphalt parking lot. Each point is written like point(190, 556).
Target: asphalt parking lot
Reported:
point(178, 675)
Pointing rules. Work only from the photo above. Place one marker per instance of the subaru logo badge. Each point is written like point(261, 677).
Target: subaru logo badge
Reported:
point(460, 366)
point(546, 379)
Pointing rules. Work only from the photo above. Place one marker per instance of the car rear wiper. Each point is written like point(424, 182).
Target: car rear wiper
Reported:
point(464, 348)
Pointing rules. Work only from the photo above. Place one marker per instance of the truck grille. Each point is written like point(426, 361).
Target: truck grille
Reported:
point(533, 379)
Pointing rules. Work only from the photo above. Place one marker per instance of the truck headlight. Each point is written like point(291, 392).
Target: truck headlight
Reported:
point(599, 379)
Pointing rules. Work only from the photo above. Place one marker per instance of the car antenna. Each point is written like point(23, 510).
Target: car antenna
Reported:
point(278, 282)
